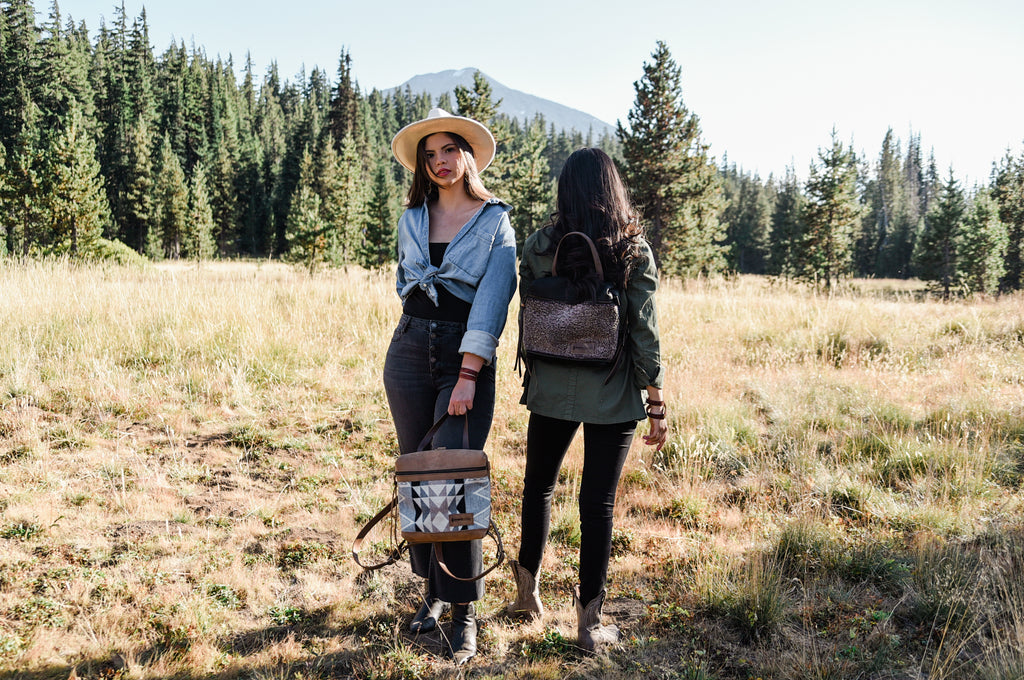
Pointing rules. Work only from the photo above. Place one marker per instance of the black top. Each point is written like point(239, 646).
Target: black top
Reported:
point(449, 307)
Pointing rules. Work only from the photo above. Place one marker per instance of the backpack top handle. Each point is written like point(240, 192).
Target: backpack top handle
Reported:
point(593, 252)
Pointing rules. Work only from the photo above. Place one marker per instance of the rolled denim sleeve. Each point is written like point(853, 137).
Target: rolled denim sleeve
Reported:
point(644, 341)
point(494, 292)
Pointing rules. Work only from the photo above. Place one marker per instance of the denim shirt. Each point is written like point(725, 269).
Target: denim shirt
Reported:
point(479, 267)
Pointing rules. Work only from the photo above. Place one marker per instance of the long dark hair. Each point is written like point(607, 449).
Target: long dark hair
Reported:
point(423, 189)
point(593, 199)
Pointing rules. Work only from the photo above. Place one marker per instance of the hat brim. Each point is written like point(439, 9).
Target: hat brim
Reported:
point(476, 135)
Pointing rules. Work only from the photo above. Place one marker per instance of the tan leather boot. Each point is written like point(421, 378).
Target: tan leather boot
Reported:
point(527, 604)
point(593, 637)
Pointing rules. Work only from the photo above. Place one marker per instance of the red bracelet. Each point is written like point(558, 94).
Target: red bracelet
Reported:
point(469, 374)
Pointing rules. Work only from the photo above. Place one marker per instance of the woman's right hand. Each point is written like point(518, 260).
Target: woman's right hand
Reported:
point(658, 434)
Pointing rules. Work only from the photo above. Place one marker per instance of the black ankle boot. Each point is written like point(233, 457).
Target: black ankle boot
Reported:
point(426, 618)
point(463, 638)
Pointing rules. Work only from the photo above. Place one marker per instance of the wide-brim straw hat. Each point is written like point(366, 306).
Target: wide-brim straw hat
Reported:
point(438, 120)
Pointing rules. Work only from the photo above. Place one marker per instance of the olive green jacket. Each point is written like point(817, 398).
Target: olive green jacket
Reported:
point(579, 393)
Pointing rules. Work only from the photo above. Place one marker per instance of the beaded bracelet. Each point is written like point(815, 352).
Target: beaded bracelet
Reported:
point(469, 374)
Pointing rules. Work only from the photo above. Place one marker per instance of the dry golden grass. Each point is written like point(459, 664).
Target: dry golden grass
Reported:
point(186, 455)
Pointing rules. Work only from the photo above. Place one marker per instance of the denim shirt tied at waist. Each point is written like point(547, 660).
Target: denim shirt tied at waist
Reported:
point(479, 267)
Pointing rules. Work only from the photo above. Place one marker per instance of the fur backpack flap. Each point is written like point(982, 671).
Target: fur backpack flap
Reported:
point(573, 321)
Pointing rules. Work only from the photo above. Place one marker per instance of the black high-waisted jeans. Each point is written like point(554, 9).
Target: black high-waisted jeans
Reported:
point(420, 372)
point(605, 448)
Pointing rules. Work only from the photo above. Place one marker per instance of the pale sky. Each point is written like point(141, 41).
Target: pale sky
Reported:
point(769, 80)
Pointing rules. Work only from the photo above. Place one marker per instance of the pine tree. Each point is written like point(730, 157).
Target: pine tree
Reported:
point(140, 73)
point(195, 110)
point(347, 205)
point(1008, 191)
point(272, 141)
point(19, 63)
point(787, 228)
point(830, 215)
point(914, 208)
point(982, 246)
point(166, 240)
point(25, 172)
point(528, 184)
point(303, 122)
point(75, 198)
point(197, 236)
point(138, 200)
point(110, 82)
point(55, 95)
point(477, 103)
point(306, 231)
point(747, 218)
point(378, 244)
point(5, 197)
point(224, 199)
point(668, 171)
point(935, 254)
point(343, 118)
point(887, 215)
point(256, 231)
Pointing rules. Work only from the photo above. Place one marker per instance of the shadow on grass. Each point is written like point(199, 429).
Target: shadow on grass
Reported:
point(372, 639)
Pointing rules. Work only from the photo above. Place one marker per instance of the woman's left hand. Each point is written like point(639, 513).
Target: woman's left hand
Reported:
point(462, 397)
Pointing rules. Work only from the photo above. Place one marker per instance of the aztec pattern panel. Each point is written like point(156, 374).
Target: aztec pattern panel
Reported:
point(444, 505)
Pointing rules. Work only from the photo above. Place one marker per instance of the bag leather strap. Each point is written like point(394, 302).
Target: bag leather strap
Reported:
point(493, 532)
point(428, 438)
point(357, 544)
point(593, 252)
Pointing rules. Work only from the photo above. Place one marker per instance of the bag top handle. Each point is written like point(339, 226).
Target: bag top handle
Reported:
point(593, 253)
point(429, 436)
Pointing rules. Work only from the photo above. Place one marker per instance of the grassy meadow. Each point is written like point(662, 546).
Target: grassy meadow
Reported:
point(186, 455)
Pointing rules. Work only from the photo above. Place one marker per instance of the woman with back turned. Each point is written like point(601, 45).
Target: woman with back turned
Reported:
point(608, 403)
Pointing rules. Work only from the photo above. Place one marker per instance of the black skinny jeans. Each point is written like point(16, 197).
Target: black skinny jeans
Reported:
point(420, 371)
point(605, 448)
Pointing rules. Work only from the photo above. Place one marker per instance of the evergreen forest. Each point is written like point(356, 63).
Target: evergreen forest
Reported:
point(109, 149)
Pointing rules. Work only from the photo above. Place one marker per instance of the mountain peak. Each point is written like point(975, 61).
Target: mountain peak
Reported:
point(514, 103)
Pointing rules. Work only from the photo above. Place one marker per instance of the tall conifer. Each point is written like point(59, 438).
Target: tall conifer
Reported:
point(197, 236)
point(935, 254)
point(887, 215)
point(348, 202)
point(830, 216)
point(527, 182)
point(75, 197)
point(5, 198)
point(307, 234)
point(1008, 192)
point(343, 118)
point(378, 242)
point(171, 205)
point(668, 170)
point(982, 246)
point(787, 227)
point(25, 176)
